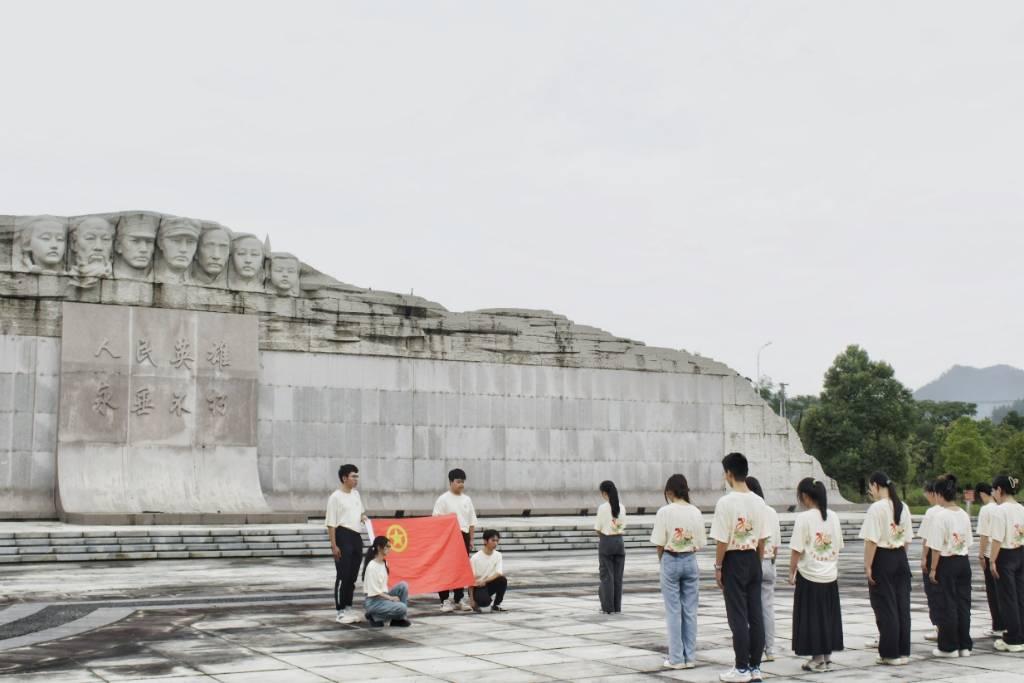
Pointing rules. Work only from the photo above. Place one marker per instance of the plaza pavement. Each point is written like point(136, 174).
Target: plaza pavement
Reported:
point(246, 620)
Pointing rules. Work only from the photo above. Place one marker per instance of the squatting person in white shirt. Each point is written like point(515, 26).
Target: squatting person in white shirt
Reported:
point(1008, 561)
point(771, 550)
point(455, 501)
point(950, 539)
point(739, 528)
point(611, 550)
point(489, 574)
point(983, 492)
point(383, 607)
point(345, 517)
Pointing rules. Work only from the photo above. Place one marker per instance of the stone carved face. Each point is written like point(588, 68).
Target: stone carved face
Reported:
point(178, 249)
point(43, 244)
point(284, 274)
point(135, 248)
point(93, 242)
point(247, 257)
point(214, 250)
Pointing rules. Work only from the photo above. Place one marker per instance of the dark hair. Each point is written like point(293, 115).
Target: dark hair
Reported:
point(736, 465)
point(491, 533)
point(945, 486)
point(754, 485)
point(981, 488)
point(1009, 485)
point(371, 554)
point(815, 490)
point(882, 479)
point(608, 486)
point(929, 487)
point(677, 486)
point(346, 470)
point(456, 474)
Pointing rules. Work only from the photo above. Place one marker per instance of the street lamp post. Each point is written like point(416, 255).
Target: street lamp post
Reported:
point(763, 347)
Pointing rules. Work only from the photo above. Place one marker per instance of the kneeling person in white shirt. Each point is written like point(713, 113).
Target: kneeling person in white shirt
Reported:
point(489, 574)
point(383, 606)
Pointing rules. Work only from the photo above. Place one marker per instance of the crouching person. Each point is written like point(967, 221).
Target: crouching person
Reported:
point(383, 606)
point(489, 575)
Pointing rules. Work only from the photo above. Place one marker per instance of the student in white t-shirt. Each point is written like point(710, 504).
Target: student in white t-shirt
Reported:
point(383, 606)
point(1007, 541)
point(739, 529)
point(679, 534)
point(456, 501)
point(771, 549)
point(932, 594)
point(489, 574)
point(983, 493)
point(887, 531)
point(950, 539)
point(814, 570)
point(611, 550)
point(344, 521)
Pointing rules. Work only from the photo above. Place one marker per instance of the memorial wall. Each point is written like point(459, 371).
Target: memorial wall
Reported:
point(160, 368)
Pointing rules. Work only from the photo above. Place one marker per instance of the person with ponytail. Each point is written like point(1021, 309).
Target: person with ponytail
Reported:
point(932, 594)
point(611, 550)
point(887, 531)
point(814, 571)
point(383, 606)
point(771, 553)
point(1007, 564)
point(678, 534)
point(983, 492)
point(950, 540)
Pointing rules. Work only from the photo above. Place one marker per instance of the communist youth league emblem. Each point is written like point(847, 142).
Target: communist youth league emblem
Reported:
point(398, 536)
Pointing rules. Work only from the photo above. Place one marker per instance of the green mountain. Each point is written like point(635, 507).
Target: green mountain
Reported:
point(990, 388)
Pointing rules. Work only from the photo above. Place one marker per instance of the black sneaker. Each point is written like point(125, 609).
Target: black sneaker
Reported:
point(401, 622)
point(498, 608)
point(373, 622)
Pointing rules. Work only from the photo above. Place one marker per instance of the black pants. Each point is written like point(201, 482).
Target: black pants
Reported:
point(932, 593)
point(496, 588)
point(992, 593)
point(346, 568)
point(611, 561)
point(954, 603)
point(459, 592)
point(1010, 585)
point(741, 577)
point(890, 600)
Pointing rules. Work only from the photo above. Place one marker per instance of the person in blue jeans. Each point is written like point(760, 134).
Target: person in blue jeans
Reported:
point(679, 534)
point(383, 606)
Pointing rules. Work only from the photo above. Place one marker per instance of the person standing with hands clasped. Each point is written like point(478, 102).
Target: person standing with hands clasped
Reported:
point(932, 593)
point(887, 531)
point(950, 540)
point(344, 520)
point(455, 501)
point(739, 529)
point(771, 550)
point(814, 570)
point(983, 492)
point(679, 534)
point(611, 550)
point(1008, 561)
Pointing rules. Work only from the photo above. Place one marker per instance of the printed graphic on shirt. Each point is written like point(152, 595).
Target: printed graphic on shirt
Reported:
point(618, 525)
point(822, 546)
point(1018, 534)
point(896, 533)
point(957, 544)
point(743, 534)
point(681, 541)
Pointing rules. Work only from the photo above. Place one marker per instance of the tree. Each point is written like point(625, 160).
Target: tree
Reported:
point(1010, 458)
point(932, 423)
point(964, 453)
point(863, 421)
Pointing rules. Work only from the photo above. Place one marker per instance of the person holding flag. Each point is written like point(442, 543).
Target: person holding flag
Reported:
point(344, 519)
point(455, 501)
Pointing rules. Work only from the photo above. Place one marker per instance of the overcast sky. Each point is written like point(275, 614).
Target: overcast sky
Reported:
point(707, 176)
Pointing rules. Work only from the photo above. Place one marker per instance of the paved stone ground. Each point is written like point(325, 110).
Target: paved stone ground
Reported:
point(271, 620)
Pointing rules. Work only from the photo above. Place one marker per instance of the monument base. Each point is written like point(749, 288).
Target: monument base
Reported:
point(182, 518)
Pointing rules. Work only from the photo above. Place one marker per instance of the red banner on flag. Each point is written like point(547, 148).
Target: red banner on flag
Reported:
point(428, 553)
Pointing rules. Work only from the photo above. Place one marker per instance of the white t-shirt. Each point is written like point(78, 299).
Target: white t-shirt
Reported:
point(774, 539)
point(950, 532)
point(608, 526)
point(985, 522)
point(485, 566)
point(881, 529)
point(819, 540)
point(376, 580)
point(345, 509)
point(679, 527)
point(924, 530)
point(739, 520)
point(1007, 525)
point(461, 505)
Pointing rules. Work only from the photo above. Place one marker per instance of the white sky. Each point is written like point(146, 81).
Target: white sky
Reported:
point(707, 176)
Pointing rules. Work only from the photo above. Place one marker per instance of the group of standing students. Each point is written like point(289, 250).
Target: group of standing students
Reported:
point(748, 539)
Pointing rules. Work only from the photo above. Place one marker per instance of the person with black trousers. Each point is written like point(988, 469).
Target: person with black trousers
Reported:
point(611, 550)
point(1008, 561)
point(887, 531)
point(345, 518)
point(950, 541)
point(983, 493)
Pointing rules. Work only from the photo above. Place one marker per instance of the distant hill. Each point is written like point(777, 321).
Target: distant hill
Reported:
point(990, 388)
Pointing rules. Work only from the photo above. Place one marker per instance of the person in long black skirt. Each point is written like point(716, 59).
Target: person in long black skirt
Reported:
point(950, 540)
point(1008, 561)
point(814, 569)
point(887, 531)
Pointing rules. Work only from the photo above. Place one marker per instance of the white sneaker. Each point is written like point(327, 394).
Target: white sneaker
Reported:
point(932, 636)
point(898, 661)
point(465, 606)
point(349, 618)
point(339, 616)
point(965, 653)
point(755, 674)
point(447, 606)
point(669, 665)
point(735, 676)
point(1003, 646)
point(936, 652)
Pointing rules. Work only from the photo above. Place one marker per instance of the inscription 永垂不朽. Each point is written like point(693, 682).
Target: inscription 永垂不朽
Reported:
point(103, 402)
point(183, 355)
point(105, 346)
point(178, 404)
point(142, 404)
point(219, 354)
point(216, 402)
point(144, 352)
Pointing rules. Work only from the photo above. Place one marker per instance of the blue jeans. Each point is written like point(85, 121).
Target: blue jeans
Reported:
point(680, 583)
point(379, 609)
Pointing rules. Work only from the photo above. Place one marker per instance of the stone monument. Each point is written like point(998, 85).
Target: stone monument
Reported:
point(161, 368)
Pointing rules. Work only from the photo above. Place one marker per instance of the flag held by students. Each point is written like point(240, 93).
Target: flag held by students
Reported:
point(428, 553)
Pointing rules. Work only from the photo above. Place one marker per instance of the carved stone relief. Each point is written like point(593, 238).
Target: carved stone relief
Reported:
point(134, 246)
point(246, 269)
point(41, 245)
point(284, 274)
point(92, 242)
point(211, 266)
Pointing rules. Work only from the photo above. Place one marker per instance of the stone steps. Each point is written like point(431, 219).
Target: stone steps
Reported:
point(306, 540)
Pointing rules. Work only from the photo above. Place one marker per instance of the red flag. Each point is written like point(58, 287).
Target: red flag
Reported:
point(428, 553)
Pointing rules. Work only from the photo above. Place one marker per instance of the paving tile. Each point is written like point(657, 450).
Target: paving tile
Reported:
point(292, 676)
point(447, 665)
point(571, 671)
point(361, 672)
point(527, 659)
